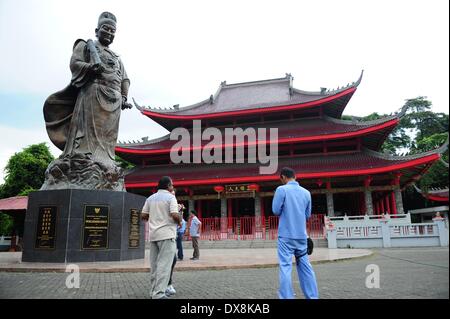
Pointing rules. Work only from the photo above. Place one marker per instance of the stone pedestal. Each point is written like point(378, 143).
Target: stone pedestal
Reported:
point(71, 225)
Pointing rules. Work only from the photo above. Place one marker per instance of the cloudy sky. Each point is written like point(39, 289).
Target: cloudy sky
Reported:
point(178, 52)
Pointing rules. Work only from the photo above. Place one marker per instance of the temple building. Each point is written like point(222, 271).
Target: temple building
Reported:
point(338, 160)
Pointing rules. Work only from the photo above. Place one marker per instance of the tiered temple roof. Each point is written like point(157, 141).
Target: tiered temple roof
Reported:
point(373, 134)
point(301, 118)
point(434, 194)
point(361, 163)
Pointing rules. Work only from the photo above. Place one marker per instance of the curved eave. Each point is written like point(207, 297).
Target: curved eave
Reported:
point(278, 108)
point(265, 178)
point(316, 138)
point(435, 198)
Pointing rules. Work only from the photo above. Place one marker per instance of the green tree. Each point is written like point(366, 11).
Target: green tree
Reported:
point(418, 131)
point(418, 125)
point(6, 224)
point(123, 163)
point(398, 140)
point(25, 170)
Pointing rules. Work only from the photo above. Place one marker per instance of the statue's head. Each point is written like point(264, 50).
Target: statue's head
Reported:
point(106, 28)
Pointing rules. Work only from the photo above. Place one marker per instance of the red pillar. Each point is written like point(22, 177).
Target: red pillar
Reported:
point(230, 212)
point(393, 203)
point(208, 208)
point(263, 211)
point(361, 204)
point(388, 207)
point(199, 208)
point(382, 205)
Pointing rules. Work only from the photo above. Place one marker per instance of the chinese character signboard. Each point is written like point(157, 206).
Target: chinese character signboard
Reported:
point(46, 228)
point(133, 236)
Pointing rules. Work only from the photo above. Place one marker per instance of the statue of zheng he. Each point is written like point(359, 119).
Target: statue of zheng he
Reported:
point(83, 119)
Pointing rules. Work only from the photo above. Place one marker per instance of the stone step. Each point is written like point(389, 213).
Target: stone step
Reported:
point(236, 244)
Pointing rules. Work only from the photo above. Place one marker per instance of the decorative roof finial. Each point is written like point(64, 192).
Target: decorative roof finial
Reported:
point(360, 78)
point(403, 111)
point(140, 108)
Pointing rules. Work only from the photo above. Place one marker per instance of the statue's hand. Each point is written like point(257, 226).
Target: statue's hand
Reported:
point(125, 104)
point(97, 69)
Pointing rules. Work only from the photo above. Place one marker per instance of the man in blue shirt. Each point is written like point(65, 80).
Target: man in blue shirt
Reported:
point(194, 231)
point(293, 204)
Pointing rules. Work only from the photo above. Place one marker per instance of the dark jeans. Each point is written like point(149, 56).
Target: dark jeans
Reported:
point(196, 248)
point(180, 245)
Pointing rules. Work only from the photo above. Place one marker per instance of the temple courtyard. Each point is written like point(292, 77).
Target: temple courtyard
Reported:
point(242, 273)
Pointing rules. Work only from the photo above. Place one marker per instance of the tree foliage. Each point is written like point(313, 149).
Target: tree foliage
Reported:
point(123, 163)
point(419, 130)
point(25, 170)
point(6, 224)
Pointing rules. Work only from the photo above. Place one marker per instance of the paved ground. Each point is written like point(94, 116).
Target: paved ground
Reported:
point(210, 259)
point(404, 273)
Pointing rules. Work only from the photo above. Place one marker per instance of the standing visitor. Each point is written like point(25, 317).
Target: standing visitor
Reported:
point(293, 204)
point(161, 210)
point(194, 231)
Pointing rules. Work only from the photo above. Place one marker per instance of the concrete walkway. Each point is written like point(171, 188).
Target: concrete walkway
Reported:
point(209, 259)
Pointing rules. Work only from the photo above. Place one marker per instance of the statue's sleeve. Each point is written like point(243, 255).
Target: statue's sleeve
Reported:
point(125, 80)
point(79, 66)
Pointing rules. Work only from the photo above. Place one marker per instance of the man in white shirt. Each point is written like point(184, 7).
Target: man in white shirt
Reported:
point(161, 210)
point(194, 231)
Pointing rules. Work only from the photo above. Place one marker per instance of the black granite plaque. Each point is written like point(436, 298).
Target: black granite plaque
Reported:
point(133, 236)
point(95, 227)
point(46, 228)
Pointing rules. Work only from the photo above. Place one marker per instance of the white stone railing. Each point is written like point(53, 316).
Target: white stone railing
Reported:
point(414, 230)
point(370, 219)
point(384, 232)
point(6, 240)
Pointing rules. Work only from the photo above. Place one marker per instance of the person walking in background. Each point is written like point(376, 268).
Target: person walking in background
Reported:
point(161, 210)
point(293, 204)
point(180, 233)
point(194, 231)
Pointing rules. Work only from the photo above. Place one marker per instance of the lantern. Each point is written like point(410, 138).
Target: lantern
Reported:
point(219, 189)
point(254, 188)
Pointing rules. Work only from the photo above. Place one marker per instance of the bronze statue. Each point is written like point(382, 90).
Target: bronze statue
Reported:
point(83, 119)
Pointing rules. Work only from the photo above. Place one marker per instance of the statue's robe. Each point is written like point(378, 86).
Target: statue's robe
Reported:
point(84, 117)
